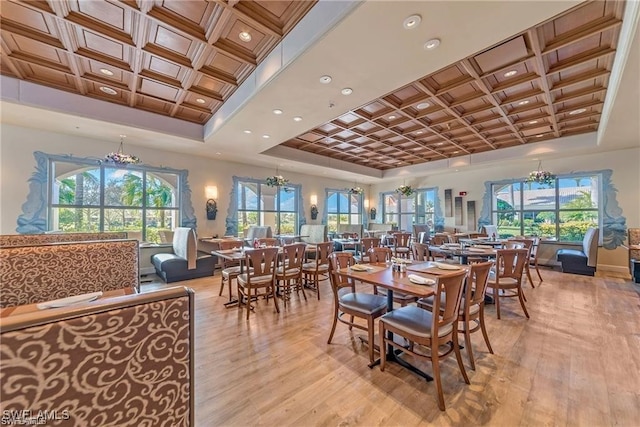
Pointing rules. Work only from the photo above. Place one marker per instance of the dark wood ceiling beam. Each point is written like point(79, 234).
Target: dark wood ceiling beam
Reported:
point(508, 67)
point(486, 89)
point(578, 60)
point(580, 93)
point(464, 80)
point(526, 120)
point(11, 27)
point(9, 62)
point(454, 113)
point(272, 31)
point(581, 78)
point(544, 83)
point(587, 105)
point(582, 32)
point(511, 83)
point(136, 63)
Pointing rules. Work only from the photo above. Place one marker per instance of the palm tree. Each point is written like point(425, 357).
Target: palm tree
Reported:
point(160, 196)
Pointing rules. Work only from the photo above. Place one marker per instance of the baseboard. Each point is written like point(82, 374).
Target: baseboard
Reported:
point(147, 270)
point(614, 268)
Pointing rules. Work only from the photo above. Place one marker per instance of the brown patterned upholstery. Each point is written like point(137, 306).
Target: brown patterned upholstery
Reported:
point(31, 274)
point(119, 361)
point(634, 239)
point(39, 239)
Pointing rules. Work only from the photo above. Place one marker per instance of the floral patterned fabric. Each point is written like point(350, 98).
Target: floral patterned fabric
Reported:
point(634, 239)
point(32, 274)
point(39, 239)
point(125, 366)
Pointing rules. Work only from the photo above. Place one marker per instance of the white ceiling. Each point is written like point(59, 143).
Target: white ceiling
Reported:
point(350, 52)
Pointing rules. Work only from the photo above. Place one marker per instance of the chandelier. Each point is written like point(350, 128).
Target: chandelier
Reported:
point(541, 176)
point(120, 158)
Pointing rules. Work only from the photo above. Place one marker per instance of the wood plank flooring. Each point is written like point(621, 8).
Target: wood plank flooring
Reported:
point(576, 362)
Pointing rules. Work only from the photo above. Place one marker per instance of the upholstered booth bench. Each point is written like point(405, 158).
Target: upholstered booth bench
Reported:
point(121, 360)
point(581, 261)
point(32, 274)
point(184, 263)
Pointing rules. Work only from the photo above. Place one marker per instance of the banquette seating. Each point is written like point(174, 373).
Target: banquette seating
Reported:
point(352, 230)
point(38, 273)
point(184, 263)
point(581, 261)
point(634, 253)
point(39, 239)
point(123, 360)
point(377, 230)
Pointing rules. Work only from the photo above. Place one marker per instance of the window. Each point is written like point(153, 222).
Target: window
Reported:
point(405, 211)
point(561, 211)
point(259, 204)
point(343, 208)
point(83, 195)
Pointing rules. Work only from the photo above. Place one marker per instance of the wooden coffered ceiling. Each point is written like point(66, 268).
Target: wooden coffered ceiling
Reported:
point(548, 82)
point(179, 58)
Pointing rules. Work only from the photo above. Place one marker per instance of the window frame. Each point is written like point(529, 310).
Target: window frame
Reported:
point(37, 216)
point(437, 220)
point(360, 211)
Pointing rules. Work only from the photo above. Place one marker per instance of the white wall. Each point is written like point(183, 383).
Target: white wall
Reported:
point(17, 164)
point(626, 178)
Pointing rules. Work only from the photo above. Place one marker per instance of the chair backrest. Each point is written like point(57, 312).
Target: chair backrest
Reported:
point(510, 263)
point(225, 245)
point(513, 244)
point(294, 254)
point(166, 236)
point(439, 239)
point(449, 306)
point(419, 229)
point(369, 242)
point(313, 233)
point(185, 245)
point(268, 241)
point(477, 283)
point(420, 252)
point(338, 261)
point(379, 254)
point(590, 246)
point(401, 240)
point(261, 262)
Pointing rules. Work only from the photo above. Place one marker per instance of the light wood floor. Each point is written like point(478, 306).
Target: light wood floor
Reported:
point(576, 362)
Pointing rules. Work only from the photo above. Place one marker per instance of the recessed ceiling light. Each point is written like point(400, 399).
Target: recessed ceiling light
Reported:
point(106, 72)
point(265, 136)
point(412, 22)
point(108, 90)
point(347, 91)
point(325, 79)
point(297, 119)
point(200, 101)
point(511, 73)
point(277, 111)
point(456, 152)
point(533, 122)
point(218, 153)
point(525, 102)
point(419, 132)
point(539, 135)
point(423, 105)
point(440, 143)
point(578, 111)
point(432, 44)
point(391, 117)
point(247, 131)
point(244, 36)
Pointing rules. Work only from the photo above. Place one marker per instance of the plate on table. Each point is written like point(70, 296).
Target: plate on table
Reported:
point(476, 249)
point(360, 267)
point(443, 266)
point(419, 280)
point(64, 302)
point(484, 246)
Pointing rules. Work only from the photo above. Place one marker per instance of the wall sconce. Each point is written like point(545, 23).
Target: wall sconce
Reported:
point(211, 192)
point(314, 208)
point(372, 213)
point(366, 203)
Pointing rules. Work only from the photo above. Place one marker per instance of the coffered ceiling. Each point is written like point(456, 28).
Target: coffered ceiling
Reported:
point(176, 58)
point(547, 82)
point(412, 110)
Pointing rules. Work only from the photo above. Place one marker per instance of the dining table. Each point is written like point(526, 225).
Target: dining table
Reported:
point(385, 276)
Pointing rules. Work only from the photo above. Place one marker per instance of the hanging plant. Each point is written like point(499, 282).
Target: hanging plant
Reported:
point(276, 181)
point(405, 190)
point(356, 190)
point(120, 158)
point(541, 176)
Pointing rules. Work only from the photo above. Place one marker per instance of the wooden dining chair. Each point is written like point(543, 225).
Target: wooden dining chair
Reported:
point(401, 245)
point(268, 242)
point(260, 275)
point(420, 326)
point(318, 268)
point(506, 279)
point(533, 259)
point(366, 244)
point(290, 270)
point(349, 304)
point(230, 269)
point(471, 313)
point(527, 244)
point(421, 252)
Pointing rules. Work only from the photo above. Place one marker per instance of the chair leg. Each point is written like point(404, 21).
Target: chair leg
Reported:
point(456, 349)
point(484, 329)
point(521, 298)
point(248, 301)
point(335, 322)
point(222, 286)
point(496, 296)
point(529, 278)
point(275, 298)
point(467, 343)
point(383, 346)
point(435, 362)
point(370, 333)
point(538, 271)
point(230, 295)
